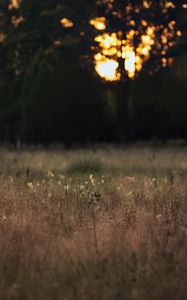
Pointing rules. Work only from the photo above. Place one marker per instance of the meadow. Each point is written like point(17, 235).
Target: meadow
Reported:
point(100, 224)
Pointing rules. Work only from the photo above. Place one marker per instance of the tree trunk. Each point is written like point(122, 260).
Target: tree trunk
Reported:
point(123, 117)
point(122, 102)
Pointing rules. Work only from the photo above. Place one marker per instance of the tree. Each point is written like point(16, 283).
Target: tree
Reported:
point(9, 70)
point(53, 94)
point(136, 36)
point(31, 35)
point(44, 47)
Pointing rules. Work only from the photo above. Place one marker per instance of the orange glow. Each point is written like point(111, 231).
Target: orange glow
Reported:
point(170, 4)
point(14, 4)
point(111, 48)
point(66, 23)
point(130, 60)
point(99, 23)
point(2, 37)
point(144, 23)
point(116, 52)
point(132, 23)
point(17, 21)
point(164, 62)
point(179, 33)
point(146, 4)
point(106, 68)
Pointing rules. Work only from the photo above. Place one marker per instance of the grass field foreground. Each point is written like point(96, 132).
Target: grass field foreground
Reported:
point(97, 224)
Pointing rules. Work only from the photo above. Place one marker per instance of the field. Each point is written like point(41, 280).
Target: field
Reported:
point(102, 224)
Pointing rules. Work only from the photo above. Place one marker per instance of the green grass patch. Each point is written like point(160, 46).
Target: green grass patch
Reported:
point(86, 166)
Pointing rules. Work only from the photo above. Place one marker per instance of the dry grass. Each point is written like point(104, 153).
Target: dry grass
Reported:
point(60, 240)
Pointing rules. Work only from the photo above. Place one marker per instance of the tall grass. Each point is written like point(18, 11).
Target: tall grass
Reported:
point(66, 233)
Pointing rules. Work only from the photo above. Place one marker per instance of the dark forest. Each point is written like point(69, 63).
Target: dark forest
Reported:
point(50, 90)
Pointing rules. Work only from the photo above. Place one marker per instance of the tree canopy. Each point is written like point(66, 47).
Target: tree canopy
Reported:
point(49, 88)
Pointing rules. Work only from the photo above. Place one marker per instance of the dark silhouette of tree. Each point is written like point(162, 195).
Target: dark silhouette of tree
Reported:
point(10, 20)
point(131, 37)
point(48, 50)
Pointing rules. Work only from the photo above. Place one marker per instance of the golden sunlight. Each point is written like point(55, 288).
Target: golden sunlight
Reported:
point(116, 52)
point(17, 21)
point(111, 48)
point(2, 37)
point(106, 68)
point(14, 4)
point(66, 23)
point(99, 23)
point(170, 4)
point(146, 4)
point(130, 60)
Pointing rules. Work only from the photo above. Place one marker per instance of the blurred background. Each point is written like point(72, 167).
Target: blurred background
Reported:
point(50, 91)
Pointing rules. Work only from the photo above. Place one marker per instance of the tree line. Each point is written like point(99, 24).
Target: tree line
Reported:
point(49, 91)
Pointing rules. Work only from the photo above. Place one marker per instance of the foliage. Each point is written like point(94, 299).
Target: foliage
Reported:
point(47, 89)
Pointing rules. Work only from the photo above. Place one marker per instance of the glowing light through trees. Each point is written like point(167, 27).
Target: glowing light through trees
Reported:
point(14, 4)
point(106, 68)
point(66, 23)
point(99, 23)
point(133, 31)
point(127, 35)
point(111, 48)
